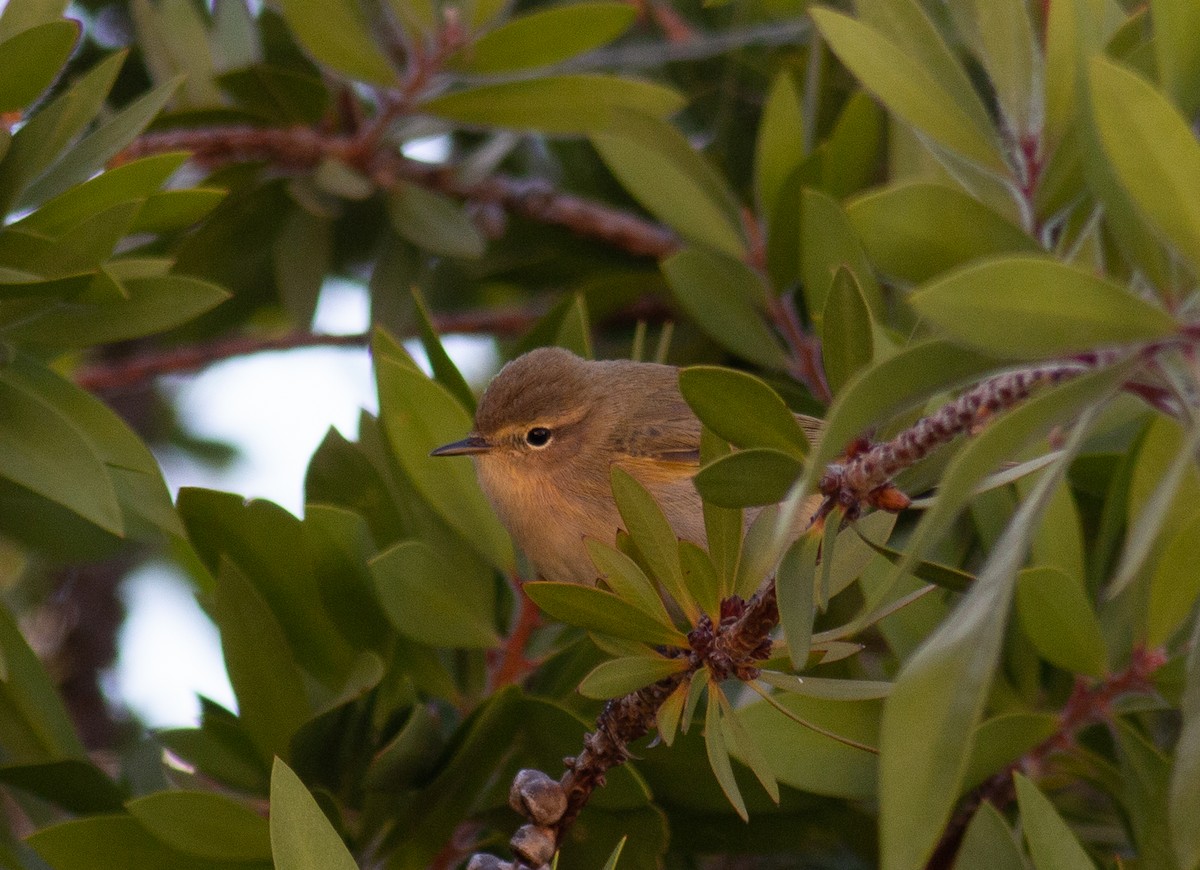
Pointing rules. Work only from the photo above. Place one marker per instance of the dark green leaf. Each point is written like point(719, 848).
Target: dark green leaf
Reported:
point(746, 478)
point(433, 222)
point(1175, 584)
point(912, 91)
point(444, 370)
point(805, 758)
point(555, 104)
point(1051, 842)
point(661, 171)
point(914, 231)
point(1004, 739)
point(1153, 152)
point(653, 536)
point(828, 242)
point(746, 748)
point(847, 331)
point(617, 677)
point(742, 409)
point(45, 450)
point(427, 600)
point(74, 784)
point(627, 580)
point(941, 690)
point(780, 145)
point(31, 60)
point(301, 836)
point(1184, 789)
point(548, 36)
point(88, 155)
point(718, 753)
point(600, 611)
point(1058, 618)
point(112, 842)
point(700, 577)
point(795, 586)
point(272, 701)
point(989, 843)
point(204, 824)
point(1177, 49)
point(419, 415)
point(725, 298)
point(1060, 308)
point(336, 33)
point(301, 255)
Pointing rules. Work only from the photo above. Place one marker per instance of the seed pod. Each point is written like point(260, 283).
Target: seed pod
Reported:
point(537, 797)
point(533, 844)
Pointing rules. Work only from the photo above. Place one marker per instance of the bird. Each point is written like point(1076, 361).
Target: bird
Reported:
point(548, 430)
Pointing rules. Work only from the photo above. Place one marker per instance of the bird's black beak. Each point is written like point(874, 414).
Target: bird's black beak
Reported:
point(468, 446)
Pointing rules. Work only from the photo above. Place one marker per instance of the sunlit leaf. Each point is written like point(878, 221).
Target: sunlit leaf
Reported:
point(336, 33)
point(618, 677)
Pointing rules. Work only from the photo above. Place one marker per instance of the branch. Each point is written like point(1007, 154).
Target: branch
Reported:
point(133, 371)
point(302, 149)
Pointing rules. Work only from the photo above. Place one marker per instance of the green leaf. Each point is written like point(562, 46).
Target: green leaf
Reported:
point(806, 756)
point(747, 478)
point(272, 701)
point(1175, 584)
point(19, 15)
point(795, 585)
point(989, 843)
point(445, 372)
point(600, 611)
point(828, 243)
point(83, 159)
point(1004, 739)
point(419, 415)
point(908, 88)
point(700, 577)
point(780, 145)
point(1051, 842)
point(204, 824)
point(548, 36)
point(1058, 618)
point(1145, 783)
point(1177, 48)
point(427, 600)
point(618, 677)
point(1010, 53)
point(337, 34)
point(764, 545)
point(565, 104)
point(150, 305)
point(135, 180)
point(73, 784)
point(31, 60)
point(653, 536)
point(301, 836)
point(722, 526)
point(301, 255)
point(1184, 790)
point(828, 688)
point(661, 171)
point(725, 299)
point(627, 580)
point(36, 727)
point(115, 842)
point(914, 231)
point(1152, 519)
point(718, 753)
point(746, 748)
point(1152, 151)
point(742, 409)
point(45, 450)
point(940, 691)
point(1061, 309)
point(433, 222)
point(670, 711)
point(173, 210)
point(41, 141)
point(847, 330)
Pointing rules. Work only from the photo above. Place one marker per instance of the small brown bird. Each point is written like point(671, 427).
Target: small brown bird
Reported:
point(548, 430)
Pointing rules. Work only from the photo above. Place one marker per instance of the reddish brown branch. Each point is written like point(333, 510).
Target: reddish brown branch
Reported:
point(511, 665)
point(301, 149)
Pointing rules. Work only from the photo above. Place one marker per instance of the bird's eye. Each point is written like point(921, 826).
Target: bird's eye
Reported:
point(538, 436)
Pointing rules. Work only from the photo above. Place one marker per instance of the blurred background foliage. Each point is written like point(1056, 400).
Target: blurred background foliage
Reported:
point(864, 208)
